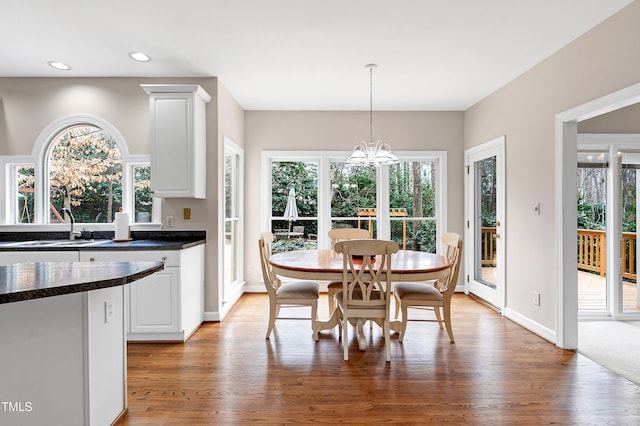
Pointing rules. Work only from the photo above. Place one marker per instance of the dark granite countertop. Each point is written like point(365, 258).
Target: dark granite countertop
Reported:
point(141, 240)
point(26, 281)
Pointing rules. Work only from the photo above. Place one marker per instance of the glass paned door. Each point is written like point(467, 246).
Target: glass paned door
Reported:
point(592, 182)
point(627, 285)
point(233, 207)
point(485, 221)
point(485, 234)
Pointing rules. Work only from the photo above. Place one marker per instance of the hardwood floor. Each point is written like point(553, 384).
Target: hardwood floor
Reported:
point(496, 373)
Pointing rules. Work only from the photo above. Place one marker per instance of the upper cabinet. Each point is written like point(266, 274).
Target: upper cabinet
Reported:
point(178, 140)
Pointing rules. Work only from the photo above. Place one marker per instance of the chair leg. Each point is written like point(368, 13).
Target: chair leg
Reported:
point(436, 310)
point(345, 341)
point(397, 304)
point(404, 320)
point(387, 339)
point(314, 318)
point(447, 321)
point(273, 313)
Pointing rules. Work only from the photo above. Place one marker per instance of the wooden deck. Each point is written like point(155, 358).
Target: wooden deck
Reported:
point(592, 293)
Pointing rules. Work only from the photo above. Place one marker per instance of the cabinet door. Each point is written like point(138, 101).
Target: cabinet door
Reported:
point(172, 145)
point(154, 303)
point(178, 140)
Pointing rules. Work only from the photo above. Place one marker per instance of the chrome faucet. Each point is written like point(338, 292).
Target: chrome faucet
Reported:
point(72, 234)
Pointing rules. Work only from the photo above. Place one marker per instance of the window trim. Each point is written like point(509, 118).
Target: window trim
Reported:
point(39, 160)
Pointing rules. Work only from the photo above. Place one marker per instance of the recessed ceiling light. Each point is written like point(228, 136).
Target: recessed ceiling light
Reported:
point(139, 56)
point(59, 65)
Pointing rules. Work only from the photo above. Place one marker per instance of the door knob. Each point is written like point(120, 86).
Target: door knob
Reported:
point(496, 236)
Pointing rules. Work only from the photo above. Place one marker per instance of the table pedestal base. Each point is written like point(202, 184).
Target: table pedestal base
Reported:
point(334, 321)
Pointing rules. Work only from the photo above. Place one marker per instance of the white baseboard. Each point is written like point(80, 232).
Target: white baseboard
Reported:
point(255, 288)
point(530, 325)
point(229, 303)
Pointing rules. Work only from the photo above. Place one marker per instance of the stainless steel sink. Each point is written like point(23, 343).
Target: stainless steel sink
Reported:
point(76, 243)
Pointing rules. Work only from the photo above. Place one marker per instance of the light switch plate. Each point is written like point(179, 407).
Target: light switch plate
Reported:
point(109, 311)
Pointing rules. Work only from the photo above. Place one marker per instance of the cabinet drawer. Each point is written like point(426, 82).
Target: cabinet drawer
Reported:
point(170, 258)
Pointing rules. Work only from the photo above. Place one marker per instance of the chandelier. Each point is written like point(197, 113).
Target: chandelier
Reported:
point(371, 153)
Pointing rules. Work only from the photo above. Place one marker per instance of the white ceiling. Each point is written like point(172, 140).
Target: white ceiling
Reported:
point(301, 54)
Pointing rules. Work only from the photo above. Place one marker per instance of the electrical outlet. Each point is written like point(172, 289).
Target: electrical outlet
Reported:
point(536, 298)
point(109, 311)
point(170, 221)
point(249, 269)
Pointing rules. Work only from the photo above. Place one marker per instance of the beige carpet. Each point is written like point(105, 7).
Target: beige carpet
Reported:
point(612, 344)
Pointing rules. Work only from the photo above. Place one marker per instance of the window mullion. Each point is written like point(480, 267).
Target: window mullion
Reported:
point(382, 201)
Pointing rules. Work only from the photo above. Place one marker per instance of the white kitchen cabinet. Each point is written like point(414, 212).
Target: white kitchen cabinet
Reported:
point(165, 306)
point(178, 140)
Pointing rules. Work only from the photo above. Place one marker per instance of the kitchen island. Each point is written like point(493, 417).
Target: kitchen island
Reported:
point(62, 341)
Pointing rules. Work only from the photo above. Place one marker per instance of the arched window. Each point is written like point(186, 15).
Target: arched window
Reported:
point(81, 163)
point(85, 175)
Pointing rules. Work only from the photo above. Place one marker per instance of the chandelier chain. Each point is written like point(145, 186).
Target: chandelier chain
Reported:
point(371, 103)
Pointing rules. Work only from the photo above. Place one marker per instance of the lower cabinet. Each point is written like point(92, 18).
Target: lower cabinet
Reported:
point(167, 305)
point(155, 303)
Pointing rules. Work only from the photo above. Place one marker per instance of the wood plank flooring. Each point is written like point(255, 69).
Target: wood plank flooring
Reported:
point(496, 373)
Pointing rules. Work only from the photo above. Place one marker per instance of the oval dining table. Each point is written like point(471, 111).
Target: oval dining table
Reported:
point(326, 265)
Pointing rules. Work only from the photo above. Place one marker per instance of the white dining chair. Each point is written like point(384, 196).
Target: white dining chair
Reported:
point(366, 286)
point(289, 294)
point(436, 297)
point(341, 234)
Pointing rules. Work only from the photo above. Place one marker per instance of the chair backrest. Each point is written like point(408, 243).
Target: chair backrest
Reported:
point(298, 229)
point(271, 280)
point(366, 280)
point(341, 234)
point(453, 251)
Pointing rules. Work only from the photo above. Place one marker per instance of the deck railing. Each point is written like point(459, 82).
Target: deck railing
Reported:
point(488, 246)
point(592, 252)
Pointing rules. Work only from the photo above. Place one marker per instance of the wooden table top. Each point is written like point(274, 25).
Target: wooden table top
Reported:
point(327, 264)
